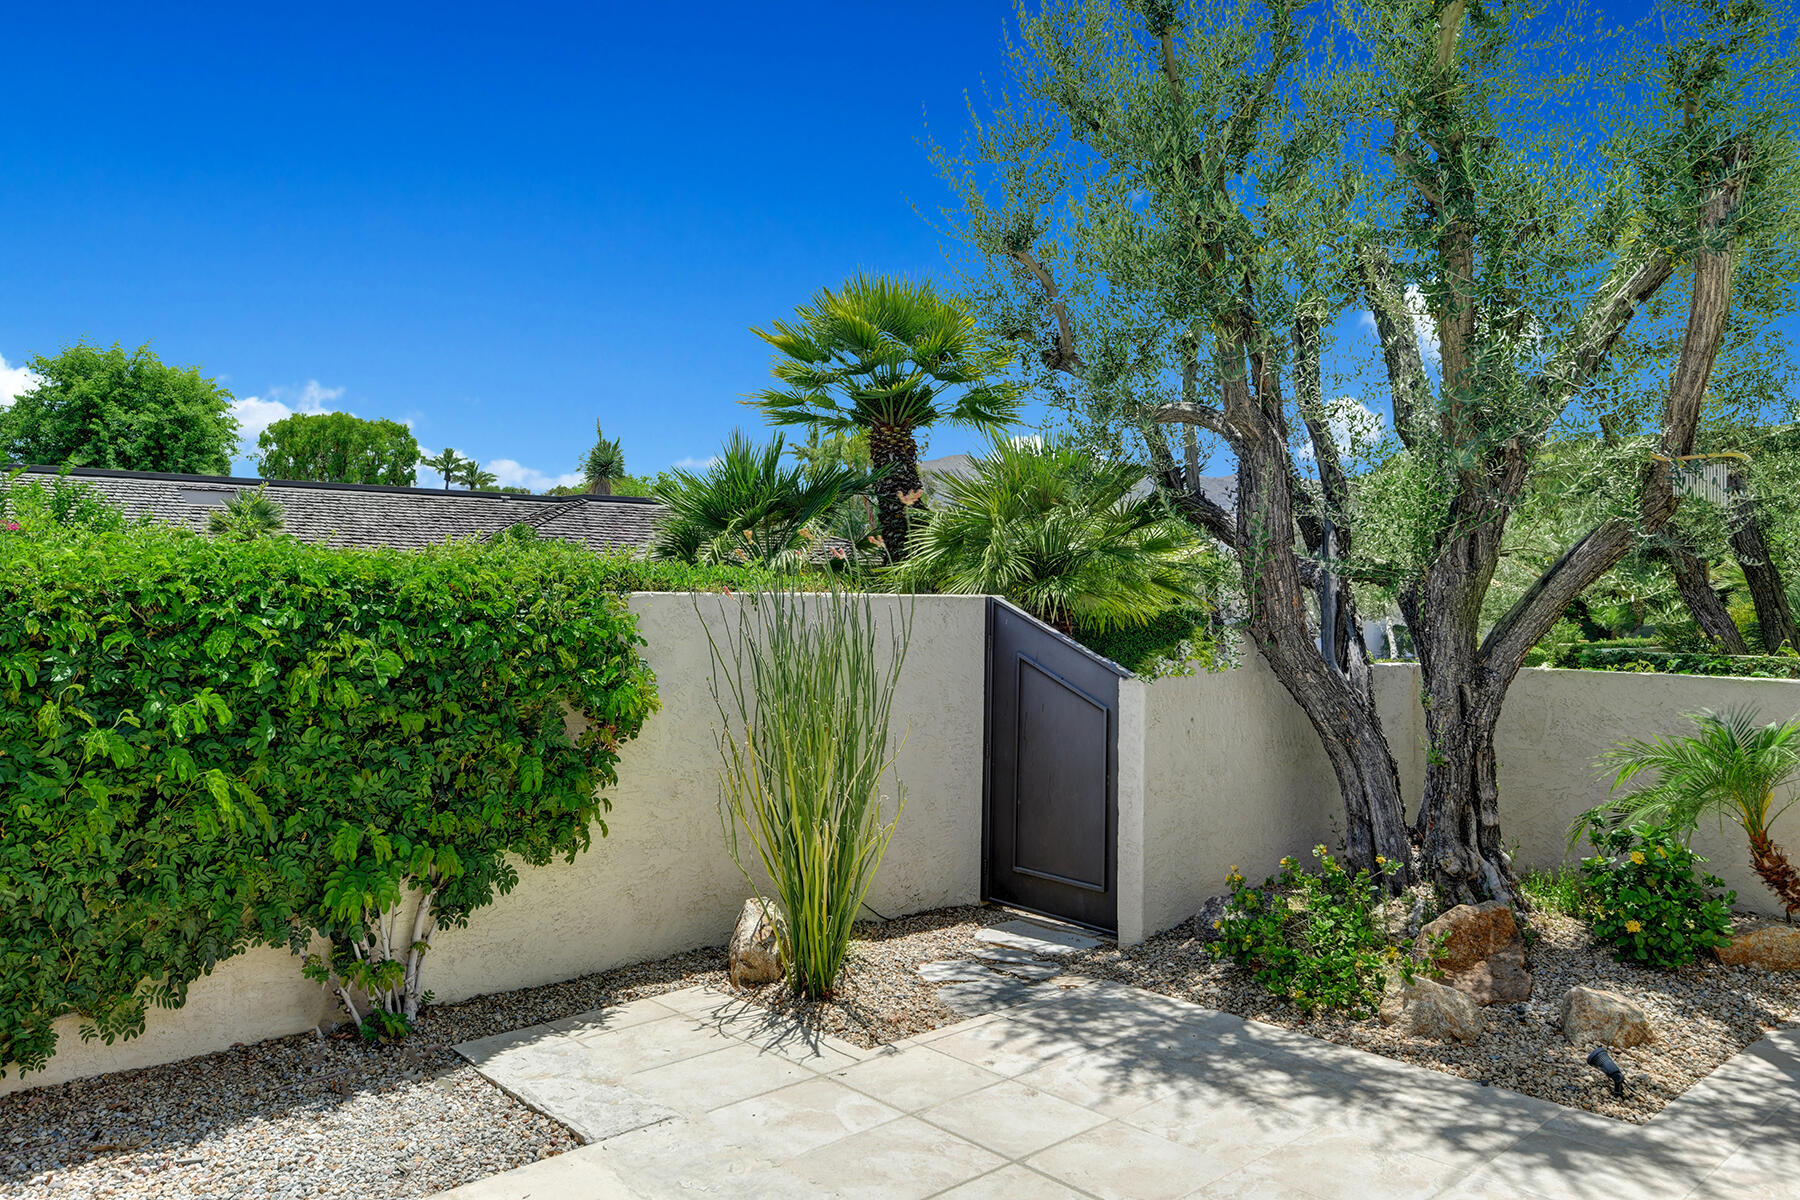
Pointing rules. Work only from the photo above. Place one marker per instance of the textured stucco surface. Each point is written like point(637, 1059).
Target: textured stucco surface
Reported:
point(660, 881)
point(1234, 775)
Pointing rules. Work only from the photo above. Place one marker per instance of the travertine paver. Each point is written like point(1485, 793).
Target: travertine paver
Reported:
point(1098, 1091)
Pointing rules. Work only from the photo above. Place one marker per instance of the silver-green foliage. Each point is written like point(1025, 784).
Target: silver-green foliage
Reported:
point(805, 687)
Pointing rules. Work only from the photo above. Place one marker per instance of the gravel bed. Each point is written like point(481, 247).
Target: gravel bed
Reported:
point(880, 996)
point(1701, 1015)
point(310, 1115)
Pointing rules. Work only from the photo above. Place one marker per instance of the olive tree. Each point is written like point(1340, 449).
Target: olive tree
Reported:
point(1178, 203)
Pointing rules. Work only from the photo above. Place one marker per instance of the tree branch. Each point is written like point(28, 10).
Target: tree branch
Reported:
point(1399, 340)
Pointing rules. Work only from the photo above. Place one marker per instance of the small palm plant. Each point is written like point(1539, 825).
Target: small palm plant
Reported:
point(1732, 766)
point(805, 687)
point(602, 464)
point(748, 506)
point(1063, 535)
point(247, 516)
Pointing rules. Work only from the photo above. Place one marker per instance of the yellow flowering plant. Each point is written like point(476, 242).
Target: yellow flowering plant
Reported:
point(1649, 904)
point(1318, 939)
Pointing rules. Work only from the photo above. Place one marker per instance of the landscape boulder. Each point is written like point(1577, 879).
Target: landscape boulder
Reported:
point(1764, 947)
point(1591, 1016)
point(1431, 1010)
point(1483, 953)
point(755, 948)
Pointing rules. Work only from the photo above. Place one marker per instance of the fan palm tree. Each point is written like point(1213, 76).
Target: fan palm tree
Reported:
point(1731, 766)
point(890, 358)
point(247, 516)
point(1059, 534)
point(602, 464)
point(448, 465)
point(747, 506)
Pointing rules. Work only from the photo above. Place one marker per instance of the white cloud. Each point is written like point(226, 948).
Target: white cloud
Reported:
point(14, 380)
point(512, 474)
point(256, 413)
point(694, 464)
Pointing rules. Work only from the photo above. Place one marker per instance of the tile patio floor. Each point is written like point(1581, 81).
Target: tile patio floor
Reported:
point(1101, 1091)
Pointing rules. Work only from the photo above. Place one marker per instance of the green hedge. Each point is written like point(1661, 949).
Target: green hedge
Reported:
point(209, 745)
point(1755, 666)
point(1172, 644)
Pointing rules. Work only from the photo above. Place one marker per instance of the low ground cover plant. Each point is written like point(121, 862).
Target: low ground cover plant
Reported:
point(1646, 899)
point(1318, 939)
point(208, 744)
point(805, 686)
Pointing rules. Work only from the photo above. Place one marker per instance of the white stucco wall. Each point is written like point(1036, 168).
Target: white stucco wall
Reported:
point(661, 881)
point(1233, 773)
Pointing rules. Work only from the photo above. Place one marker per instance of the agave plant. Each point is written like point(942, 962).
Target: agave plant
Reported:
point(247, 516)
point(748, 506)
point(1061, 534)
point(887, 358)
point(1731, 766)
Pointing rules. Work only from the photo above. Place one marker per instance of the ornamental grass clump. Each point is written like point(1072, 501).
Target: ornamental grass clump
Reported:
point(805, 687)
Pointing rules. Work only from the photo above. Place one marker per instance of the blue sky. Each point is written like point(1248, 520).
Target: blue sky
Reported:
point(494, 223)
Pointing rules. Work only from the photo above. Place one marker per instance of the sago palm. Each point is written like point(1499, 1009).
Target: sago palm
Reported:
point(1061, 535)
point(748, 506)
point(890, 358)
point(1732, 766)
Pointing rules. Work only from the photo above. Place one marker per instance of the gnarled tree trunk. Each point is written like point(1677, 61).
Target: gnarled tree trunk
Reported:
point(1703, 603)
point(1774, 614)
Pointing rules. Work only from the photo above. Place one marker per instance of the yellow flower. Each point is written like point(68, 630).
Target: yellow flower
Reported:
point(1380, 861)
point(1637, 856)
point(1218, 924)
point(1633, 927)
point(1661, 853)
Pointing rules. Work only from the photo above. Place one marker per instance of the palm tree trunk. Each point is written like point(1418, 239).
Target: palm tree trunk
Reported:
point(895, 448)
point(1771, 863)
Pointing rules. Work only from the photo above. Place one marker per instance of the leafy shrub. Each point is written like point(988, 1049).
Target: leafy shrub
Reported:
point(1176, 643)
point(1756, 666)
point(1317, 940)
point(207, 744)
point(1647, 903)
point(805, 687)
point(30, 506)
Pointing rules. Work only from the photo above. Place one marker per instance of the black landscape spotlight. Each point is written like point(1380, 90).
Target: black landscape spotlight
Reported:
point(1602, 1061)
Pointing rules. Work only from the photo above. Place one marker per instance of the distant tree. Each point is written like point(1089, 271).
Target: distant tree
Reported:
point(447, 463)
point(127, 411)
point(471, 476)
point(602, 464)
point(890, 358)
point(247, 516)
point(338, 448)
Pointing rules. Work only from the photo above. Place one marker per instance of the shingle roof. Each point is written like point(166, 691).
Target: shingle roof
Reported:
point(351, 514)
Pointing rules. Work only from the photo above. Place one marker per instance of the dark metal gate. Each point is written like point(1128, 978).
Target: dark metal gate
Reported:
point(1052, 812)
